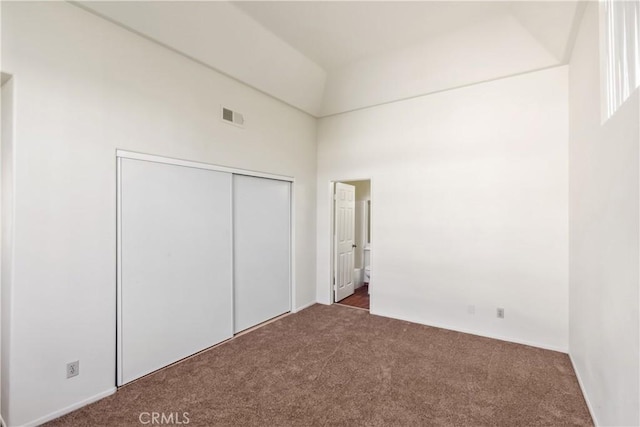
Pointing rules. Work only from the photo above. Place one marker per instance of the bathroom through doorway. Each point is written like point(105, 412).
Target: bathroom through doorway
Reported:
point(351, 243)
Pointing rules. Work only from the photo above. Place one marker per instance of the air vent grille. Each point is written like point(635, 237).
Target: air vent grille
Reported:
point(232, 117)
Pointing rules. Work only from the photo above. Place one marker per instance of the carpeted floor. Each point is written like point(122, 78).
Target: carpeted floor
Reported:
point(339, 366)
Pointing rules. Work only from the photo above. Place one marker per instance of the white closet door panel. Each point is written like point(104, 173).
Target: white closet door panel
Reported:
point(176, 266)
point(262, 284)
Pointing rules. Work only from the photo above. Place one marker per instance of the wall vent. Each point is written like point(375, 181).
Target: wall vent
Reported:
point(232, 117)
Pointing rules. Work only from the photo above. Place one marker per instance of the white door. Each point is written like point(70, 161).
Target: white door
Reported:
point(344, 239)
point(175, 290)
point(262, 250)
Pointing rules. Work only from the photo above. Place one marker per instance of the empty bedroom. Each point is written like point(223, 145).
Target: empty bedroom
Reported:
point(313, 213)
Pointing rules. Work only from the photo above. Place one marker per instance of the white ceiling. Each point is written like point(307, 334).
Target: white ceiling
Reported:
point(318, 55)
point(334, 33)
point(221, 36)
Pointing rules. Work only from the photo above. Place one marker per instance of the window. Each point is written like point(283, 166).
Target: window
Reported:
point(620, 56)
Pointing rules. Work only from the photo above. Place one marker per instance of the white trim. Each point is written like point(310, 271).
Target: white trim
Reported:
point(232, 202)
point(584, 393)
point(7, 288)
point(199, 165)
point(123, 154)
point(292, 247)
point(119, 377)
point(70, 408)
point(332, 220)
point(305, 306)
point(332, 244)
point(560, 349)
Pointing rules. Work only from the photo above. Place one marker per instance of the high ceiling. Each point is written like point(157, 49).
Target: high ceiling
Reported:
point(328, 57)
point(333, 33)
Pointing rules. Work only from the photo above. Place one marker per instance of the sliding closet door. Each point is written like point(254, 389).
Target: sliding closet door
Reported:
point(175, 264)
point(262, 252)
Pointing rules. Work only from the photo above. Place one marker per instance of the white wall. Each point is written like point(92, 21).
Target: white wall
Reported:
point(604, 231)
point(488, 50)
point(470, 205)
point(363, 189)
point(552, 23)
point(224, 37)
point(6, 231)
point(85, 87)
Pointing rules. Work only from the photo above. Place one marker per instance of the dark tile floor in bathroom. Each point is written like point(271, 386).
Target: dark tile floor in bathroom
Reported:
point(359, 299)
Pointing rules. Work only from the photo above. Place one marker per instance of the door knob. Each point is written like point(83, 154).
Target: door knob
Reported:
point(354, 246)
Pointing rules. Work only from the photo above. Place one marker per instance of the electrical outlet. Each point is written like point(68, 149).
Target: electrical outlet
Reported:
point(500, 313)
point(73, 369)
point(471, 309)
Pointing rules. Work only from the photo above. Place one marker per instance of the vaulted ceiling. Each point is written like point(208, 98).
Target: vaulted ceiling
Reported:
point(334, 34)
point(327, 57)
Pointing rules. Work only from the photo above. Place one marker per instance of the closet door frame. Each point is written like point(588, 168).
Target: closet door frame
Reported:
point(123, 154)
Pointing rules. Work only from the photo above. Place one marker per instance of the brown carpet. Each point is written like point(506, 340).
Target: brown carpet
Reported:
point(335, 365)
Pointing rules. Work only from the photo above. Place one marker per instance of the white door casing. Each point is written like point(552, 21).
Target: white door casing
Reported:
point(176, 221)
point(344, 239)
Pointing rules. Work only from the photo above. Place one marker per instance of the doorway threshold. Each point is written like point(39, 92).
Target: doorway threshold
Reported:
point(359, 299)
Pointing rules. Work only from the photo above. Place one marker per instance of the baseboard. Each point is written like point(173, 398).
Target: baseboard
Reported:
point(479, 334)
point(70, 408)
point(584, 393)
point(303, 307)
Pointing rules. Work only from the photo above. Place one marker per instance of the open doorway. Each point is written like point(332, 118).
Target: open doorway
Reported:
point(351, 248)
